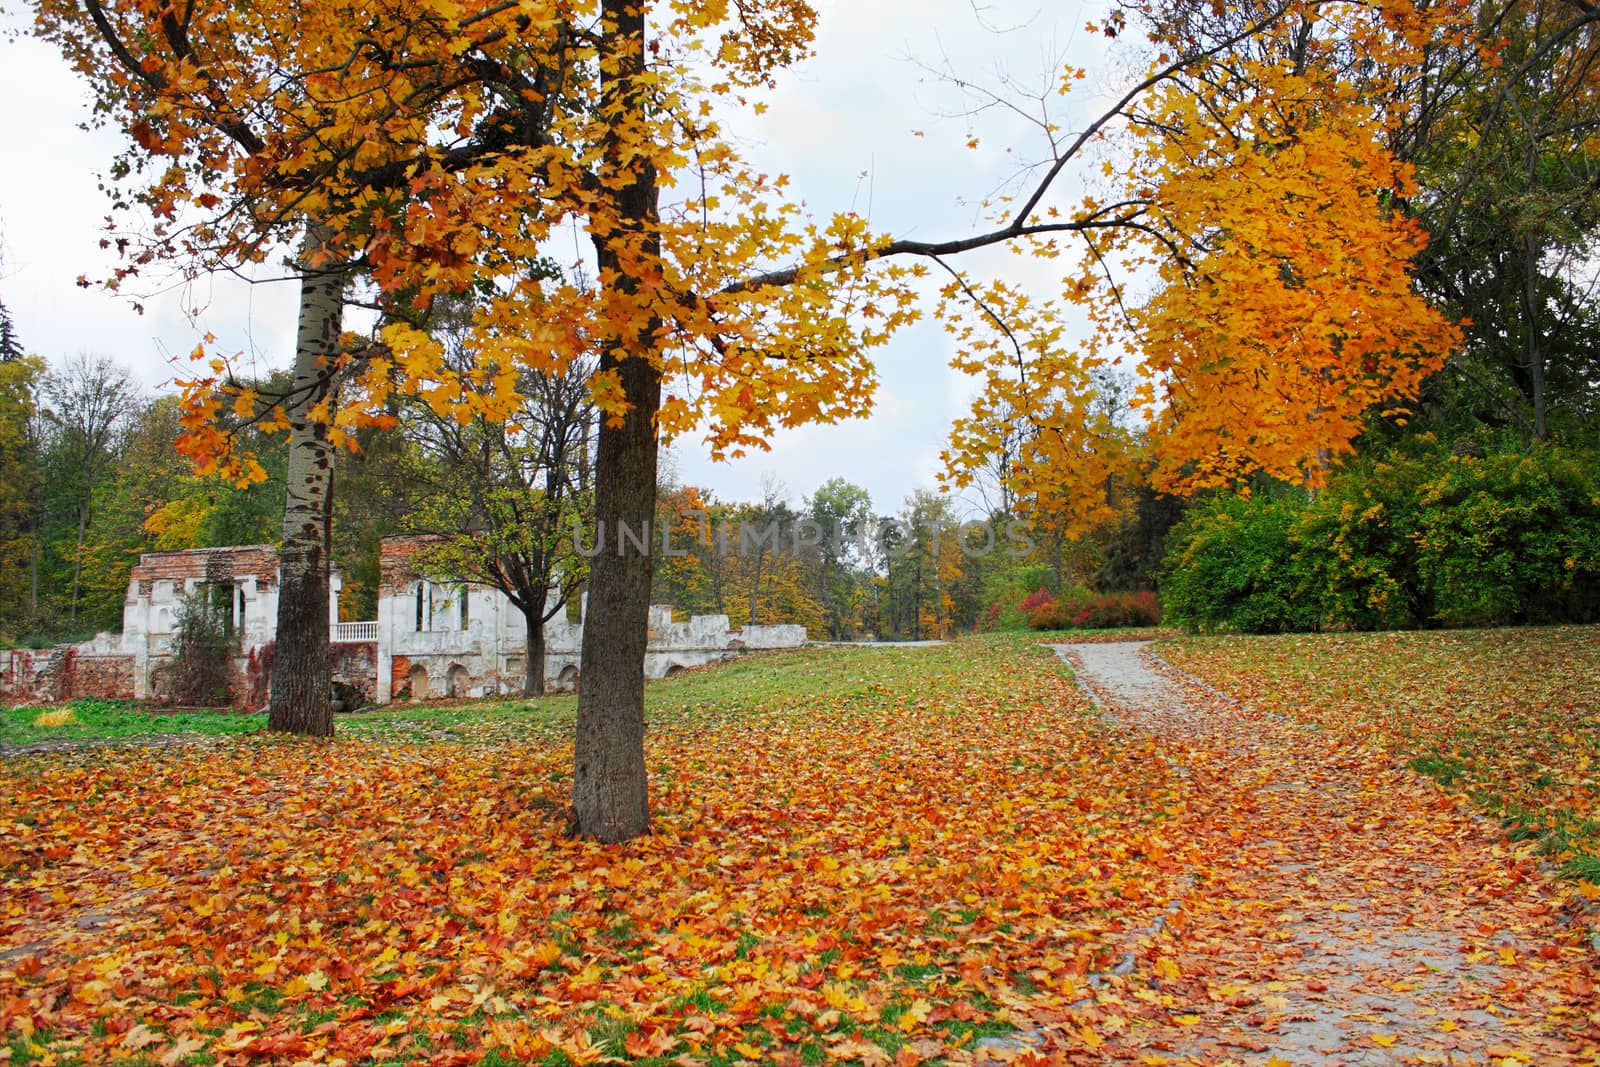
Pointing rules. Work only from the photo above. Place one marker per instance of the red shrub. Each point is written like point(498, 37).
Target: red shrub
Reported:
point(1119, 609)
point(1034, 601)
point(1051, 616)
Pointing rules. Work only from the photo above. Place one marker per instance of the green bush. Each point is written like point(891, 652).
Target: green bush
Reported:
point(1427, 539)
point(1231, 566)
point(1511, 539)
point(1356, 549)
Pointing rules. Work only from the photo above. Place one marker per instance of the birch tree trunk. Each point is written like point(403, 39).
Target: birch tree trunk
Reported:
point(301, 670)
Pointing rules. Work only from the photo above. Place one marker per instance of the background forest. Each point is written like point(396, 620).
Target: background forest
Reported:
point(1460, 515)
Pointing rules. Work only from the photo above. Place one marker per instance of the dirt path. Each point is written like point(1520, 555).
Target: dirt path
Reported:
point(82, 744)
point(1347, 912)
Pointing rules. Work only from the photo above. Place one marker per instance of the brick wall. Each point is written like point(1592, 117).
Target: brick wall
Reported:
point(355, 663)
point(43, 676)
point(400, 678)
point(212, 564)
point(106, 677)
point(247, 683)
point(396, 556)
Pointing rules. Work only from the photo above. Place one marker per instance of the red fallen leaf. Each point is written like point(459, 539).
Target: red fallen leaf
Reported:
point(654, 1043)
point(282, 1045)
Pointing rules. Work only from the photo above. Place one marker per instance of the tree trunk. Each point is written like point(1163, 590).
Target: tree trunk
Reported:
point(1536, 356)
point(610, 794)
point(301, 669)
point(77, 559)
point(533, 676)
point(755, 587)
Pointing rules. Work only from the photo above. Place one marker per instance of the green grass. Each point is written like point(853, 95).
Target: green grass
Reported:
point(755, 684)
point(117, 719)
point(763, 682)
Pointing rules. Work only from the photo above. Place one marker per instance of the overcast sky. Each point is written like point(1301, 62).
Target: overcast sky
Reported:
point(843, 125)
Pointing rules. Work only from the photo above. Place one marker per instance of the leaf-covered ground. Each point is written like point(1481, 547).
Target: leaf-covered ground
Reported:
point(875, 854)
point(860, 855)
point(1510, 717)
point(1346, 910)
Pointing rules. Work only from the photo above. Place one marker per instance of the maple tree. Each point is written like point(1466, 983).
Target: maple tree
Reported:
point(1280, 329)
point(436, 149)
point(1268, 208)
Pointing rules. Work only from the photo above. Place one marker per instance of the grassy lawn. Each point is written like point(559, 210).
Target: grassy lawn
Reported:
point(871, 855)
point(116, 719)
point(755, 683)
point(1510, 717)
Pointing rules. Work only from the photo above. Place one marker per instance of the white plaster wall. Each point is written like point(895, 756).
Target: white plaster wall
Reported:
point(491, 648)
point(777, 636)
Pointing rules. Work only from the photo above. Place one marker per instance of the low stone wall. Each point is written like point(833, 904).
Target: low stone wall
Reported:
point(66, 672)
point(355, 664)
point(781, 635)
point(108, 677)
point(19, 671)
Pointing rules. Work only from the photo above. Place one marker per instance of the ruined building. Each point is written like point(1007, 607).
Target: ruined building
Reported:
point(431, 638)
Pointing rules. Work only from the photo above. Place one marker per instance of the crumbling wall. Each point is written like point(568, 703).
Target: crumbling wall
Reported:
point(66, 672)
point(355, 664)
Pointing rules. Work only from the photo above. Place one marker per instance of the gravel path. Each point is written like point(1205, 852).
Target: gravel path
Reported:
point(1349, 912)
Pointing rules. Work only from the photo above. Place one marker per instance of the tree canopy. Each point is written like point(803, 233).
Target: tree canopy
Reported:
point(438, 149)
